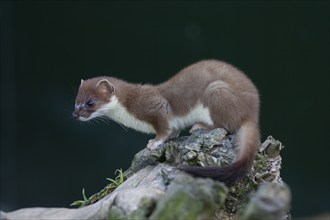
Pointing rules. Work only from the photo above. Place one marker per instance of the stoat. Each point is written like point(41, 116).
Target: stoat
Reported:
point(208, 94)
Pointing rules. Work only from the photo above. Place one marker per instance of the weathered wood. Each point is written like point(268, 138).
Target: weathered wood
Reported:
point(155, 189)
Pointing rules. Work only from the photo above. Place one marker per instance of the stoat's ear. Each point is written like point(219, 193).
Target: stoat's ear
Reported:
point(106, 86)
point(81, 82)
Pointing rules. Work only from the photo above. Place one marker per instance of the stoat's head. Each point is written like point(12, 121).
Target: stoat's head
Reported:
point(93, 95)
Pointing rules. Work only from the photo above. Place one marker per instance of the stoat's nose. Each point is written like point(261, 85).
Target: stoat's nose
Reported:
point(75, 115)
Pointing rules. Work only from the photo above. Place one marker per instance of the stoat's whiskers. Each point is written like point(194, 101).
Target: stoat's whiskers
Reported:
point(107, 119)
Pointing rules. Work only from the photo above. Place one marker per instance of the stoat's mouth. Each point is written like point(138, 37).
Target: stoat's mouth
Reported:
point(83, 119)
point(91, 116)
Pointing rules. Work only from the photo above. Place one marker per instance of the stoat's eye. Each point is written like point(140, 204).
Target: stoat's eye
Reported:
point(90, 103)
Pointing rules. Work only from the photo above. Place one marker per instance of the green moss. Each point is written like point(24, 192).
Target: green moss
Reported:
point(183, 206)
point(190, 198)
point(116, 213)
point(261, 162)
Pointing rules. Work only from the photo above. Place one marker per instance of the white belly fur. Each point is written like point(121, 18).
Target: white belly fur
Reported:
point(197, 115)
point(117, 112)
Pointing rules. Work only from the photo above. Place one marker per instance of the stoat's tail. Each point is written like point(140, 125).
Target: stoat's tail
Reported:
point(248, 140)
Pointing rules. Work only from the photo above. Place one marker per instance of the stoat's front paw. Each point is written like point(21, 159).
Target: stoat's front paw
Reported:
point(153, 143)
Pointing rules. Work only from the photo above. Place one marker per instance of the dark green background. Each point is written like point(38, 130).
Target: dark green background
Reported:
point(48, 46)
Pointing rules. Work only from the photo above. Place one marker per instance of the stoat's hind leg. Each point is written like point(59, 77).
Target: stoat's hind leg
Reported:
point(226, 106)
point(199, 126)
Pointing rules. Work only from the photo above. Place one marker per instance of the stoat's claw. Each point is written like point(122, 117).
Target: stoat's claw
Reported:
point(153, 143)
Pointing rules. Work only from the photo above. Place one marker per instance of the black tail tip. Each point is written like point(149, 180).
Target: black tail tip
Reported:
point(229, 175)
